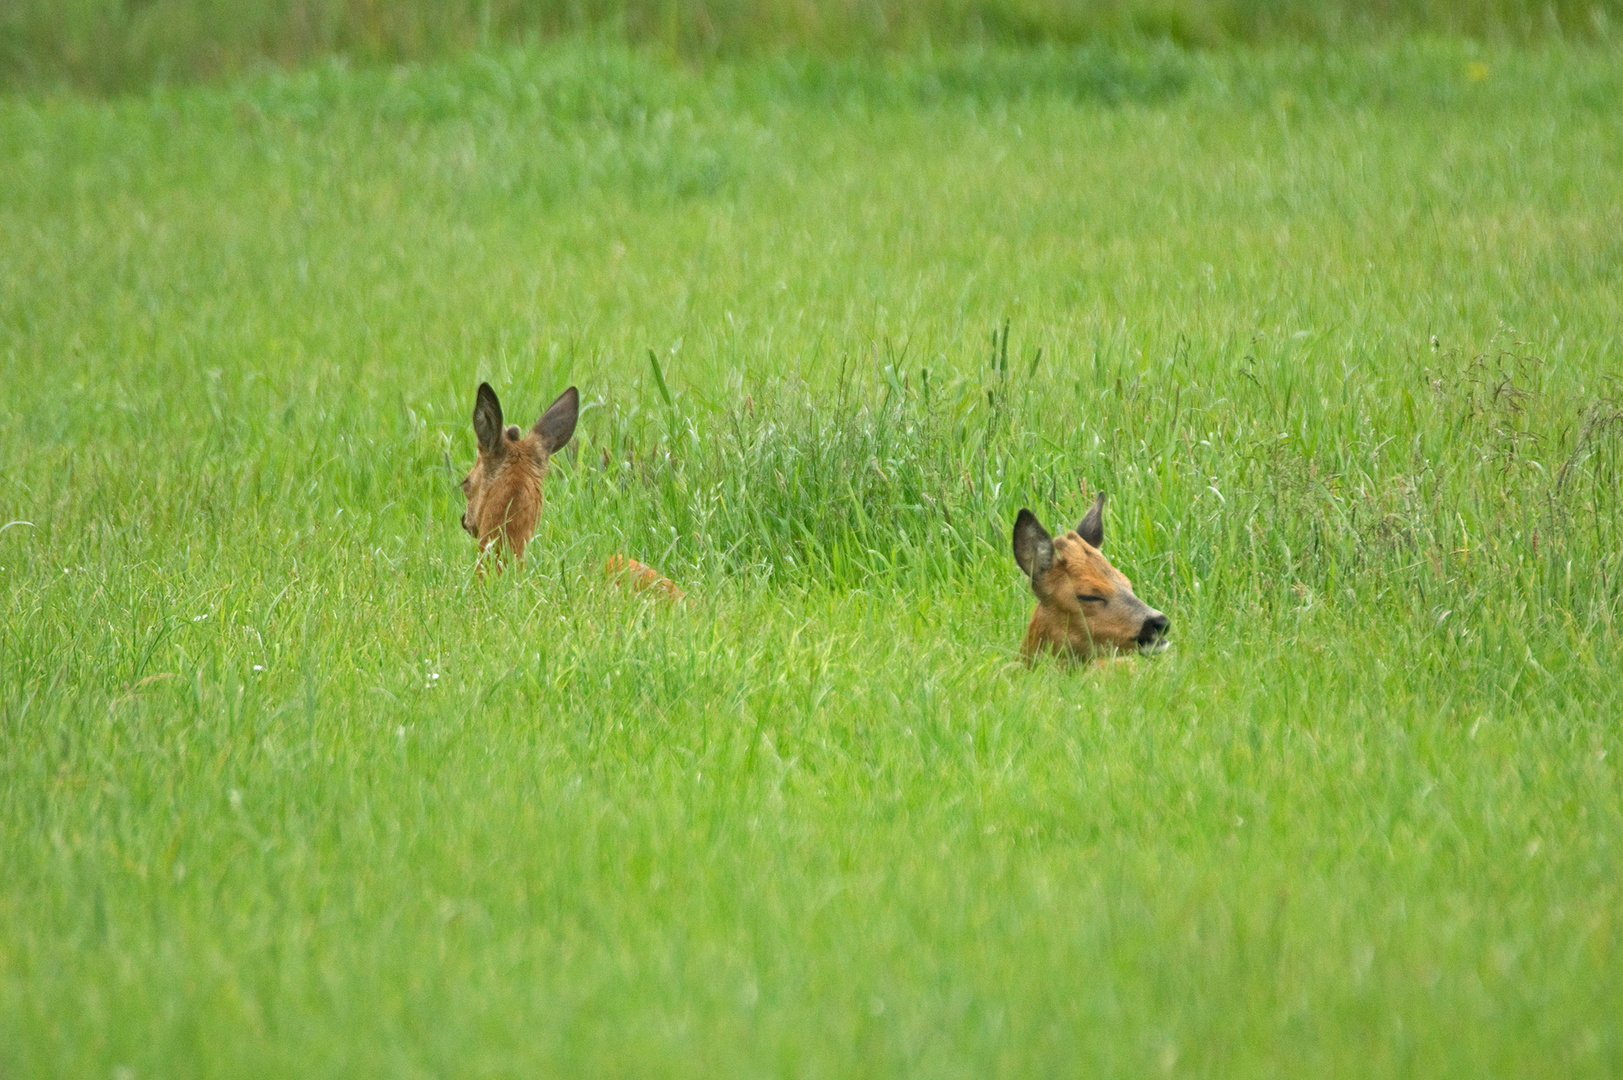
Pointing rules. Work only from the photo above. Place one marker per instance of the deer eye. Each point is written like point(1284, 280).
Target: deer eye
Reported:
point(1088, 598)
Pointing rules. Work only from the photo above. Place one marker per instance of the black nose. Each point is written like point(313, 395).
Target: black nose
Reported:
point(1154, 628)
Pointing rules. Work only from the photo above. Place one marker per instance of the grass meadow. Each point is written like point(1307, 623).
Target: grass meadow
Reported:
point(286, 791)
point(111, 46)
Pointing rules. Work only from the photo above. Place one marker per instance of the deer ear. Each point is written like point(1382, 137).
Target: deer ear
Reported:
point(1033, 547)
point(1092, 528)
point(557, 424)
point(487, 420)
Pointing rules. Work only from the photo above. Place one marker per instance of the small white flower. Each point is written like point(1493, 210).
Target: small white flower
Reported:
point(200, 618)
point(259, 667)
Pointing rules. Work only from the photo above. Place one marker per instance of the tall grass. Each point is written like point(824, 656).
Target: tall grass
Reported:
point(284, 788)
point(116, 45)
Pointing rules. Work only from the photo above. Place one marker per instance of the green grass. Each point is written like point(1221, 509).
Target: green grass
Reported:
point(118, 46)
point(285, 791)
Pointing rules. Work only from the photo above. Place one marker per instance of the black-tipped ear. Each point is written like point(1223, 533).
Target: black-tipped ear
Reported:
point(557, 424)
point(1033, 547)
point(1092, 528)
point(487, 420)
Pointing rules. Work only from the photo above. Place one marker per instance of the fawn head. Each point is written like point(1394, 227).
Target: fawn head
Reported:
point(1085, 606)
point(504, 486)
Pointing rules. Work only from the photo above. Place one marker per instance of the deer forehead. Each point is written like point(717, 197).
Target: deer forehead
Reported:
point(1086, 566)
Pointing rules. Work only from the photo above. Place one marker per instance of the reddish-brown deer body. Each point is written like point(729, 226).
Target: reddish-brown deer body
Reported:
point(1086, 608)
point(503, 488)
point(642, 578)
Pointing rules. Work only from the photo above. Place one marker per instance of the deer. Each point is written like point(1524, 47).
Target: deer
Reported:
point(1086, 609)
point(503, 488)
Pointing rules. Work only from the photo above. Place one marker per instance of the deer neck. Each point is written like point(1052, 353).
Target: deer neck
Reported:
point(518, 502)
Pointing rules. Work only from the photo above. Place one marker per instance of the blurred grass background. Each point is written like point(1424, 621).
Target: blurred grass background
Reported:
point(116, 46)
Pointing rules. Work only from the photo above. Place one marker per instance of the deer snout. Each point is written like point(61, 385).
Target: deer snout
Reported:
point(467, 523)
point(1154, 629)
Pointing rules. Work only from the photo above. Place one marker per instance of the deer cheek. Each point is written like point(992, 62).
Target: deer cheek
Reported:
point(1121, 631)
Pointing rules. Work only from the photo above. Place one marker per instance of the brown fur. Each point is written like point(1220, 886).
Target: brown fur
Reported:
point(642, 578)
point(1086, 608)
point(503, 488)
